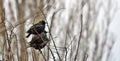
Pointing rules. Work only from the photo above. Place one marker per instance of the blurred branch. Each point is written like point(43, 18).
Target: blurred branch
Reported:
point(21, 30)
point(80, 37)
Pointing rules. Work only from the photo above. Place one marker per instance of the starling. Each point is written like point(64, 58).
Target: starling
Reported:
point(39, 41)
point(36, 28)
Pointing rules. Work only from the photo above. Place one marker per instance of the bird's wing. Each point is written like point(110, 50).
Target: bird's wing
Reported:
point(32, 27)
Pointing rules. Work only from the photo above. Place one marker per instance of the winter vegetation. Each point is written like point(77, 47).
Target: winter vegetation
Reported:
point(78, 30)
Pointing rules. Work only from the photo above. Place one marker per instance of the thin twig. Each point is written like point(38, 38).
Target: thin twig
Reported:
point(42, 55)
point(80, 35)
point(51, 53)
point(51, 37)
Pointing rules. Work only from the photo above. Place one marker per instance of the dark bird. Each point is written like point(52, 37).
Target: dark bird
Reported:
point(36, 28)
point(39, 41)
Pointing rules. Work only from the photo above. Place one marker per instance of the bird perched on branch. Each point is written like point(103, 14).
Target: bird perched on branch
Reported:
point(39, 41)
point(36, 28)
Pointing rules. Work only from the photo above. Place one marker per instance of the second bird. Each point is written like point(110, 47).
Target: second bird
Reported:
point(39, 41)
point(36, 28)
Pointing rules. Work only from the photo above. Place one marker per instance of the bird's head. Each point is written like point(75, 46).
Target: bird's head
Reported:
point(42, 22)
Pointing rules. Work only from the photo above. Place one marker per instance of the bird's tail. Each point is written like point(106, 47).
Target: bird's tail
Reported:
point(28, 35)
